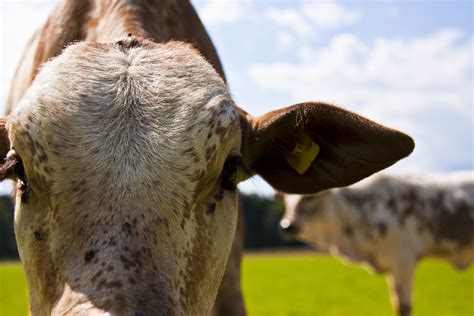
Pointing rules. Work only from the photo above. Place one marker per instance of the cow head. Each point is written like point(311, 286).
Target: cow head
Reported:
point(312, 218)
point(127, 157)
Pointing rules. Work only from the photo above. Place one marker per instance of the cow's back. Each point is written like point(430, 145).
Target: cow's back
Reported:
point(429, 215)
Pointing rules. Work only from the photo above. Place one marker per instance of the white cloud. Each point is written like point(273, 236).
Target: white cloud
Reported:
point(419, 71)
point(291, 19)
point(224, 11)
point(309, 17)
point(284, 40)
point(405, 83)
point(329, 14)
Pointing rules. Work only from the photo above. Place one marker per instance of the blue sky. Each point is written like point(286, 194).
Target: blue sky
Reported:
point(407, 64)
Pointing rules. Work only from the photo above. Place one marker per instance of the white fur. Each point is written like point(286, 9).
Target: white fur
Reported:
point(391, 222)
point(117, 126)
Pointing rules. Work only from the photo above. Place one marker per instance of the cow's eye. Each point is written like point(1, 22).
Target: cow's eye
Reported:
point(20, 171)
point(229, 172)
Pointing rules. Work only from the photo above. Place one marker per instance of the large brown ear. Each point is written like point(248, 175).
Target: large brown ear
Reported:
point(351, 147)
point(6, 165)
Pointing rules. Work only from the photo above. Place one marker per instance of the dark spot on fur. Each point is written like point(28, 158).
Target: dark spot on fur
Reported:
point(456, 224)
point(220, 194)
point(211, 207)
point(90, 254)
point(112, 241)
point(43, 157)
point(411, 200)
point(382, 228)
point(39, 235)
point(348, 230)
point(391, 203)
point(127, 227)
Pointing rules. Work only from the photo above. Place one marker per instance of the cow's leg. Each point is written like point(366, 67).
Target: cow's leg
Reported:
point(401, 282)
point(229, 301)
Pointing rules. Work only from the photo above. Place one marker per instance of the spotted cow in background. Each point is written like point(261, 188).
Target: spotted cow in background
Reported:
point(390, 223)
point(127, 149)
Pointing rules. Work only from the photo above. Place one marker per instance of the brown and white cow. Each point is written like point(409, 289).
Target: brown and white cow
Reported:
point(127, 150)
point(390, 223)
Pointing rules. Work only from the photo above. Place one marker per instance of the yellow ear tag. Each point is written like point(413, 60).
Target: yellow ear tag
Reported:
point(303, 155)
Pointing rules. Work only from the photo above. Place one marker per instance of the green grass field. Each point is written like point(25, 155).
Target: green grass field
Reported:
point(303, 284)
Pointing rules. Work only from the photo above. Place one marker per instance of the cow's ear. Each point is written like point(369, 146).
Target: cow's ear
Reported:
point(309, 147)
point(7, 164)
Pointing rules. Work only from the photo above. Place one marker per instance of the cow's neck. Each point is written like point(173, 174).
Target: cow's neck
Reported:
point(106, 21)
point(109, 20)
point(99, 20)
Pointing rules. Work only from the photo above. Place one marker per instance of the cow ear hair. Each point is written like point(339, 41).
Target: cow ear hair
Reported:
point(310, 147)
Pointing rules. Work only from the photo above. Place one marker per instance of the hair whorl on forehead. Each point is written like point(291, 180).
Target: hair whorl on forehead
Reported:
point(132, 41)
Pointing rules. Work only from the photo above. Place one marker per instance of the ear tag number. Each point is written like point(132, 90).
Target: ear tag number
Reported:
point(303, 155)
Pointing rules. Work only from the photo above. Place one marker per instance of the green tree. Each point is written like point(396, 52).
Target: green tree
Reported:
point(262, 218)
point(8, 248)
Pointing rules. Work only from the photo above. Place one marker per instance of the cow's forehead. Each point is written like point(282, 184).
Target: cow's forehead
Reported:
point(142, 112)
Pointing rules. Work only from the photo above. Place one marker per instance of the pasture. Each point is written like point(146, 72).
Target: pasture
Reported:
point(280, 284)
